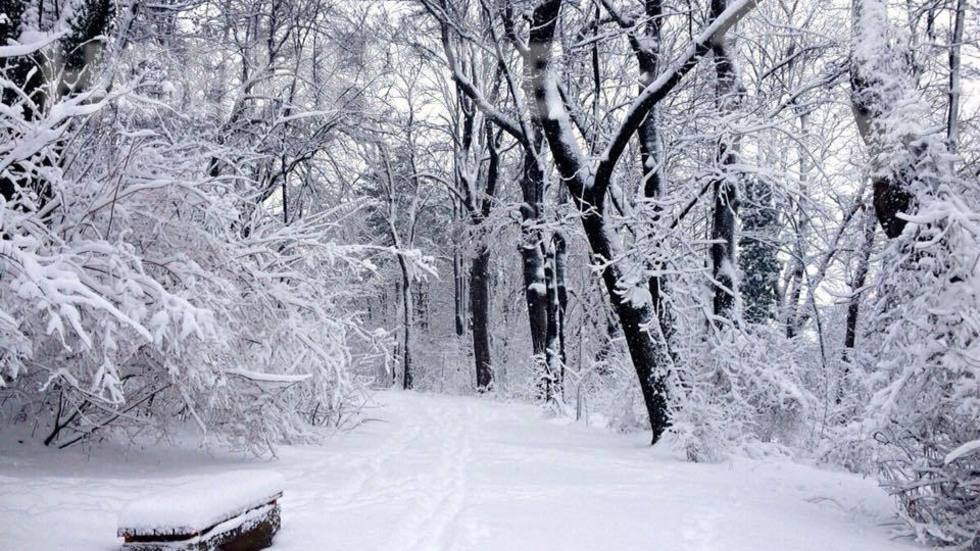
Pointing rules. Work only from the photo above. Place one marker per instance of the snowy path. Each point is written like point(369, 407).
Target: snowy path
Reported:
point(449, 473)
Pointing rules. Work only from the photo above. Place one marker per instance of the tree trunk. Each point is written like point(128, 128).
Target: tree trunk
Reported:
point(561, 271)
point(459, 297)
point(550, 382)
point(480, 304)
point(407, 309)
point(728, 96)
point(953, 110)
point(854, 302)
point(532, 254)
point(649, 358)
point(647, 55)
point(797, 263)
point(723, 246)
point(872, 101)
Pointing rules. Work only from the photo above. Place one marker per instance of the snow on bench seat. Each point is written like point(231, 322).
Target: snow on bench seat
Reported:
point(234, 510)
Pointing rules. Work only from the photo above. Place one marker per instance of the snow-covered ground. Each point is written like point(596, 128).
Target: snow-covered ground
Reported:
point(431, 472)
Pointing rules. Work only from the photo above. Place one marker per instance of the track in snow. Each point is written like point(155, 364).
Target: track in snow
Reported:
point(438, 473)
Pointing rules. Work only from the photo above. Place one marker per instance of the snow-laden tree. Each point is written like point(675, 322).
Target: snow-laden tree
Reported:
point(149, 277)
point(924, 368)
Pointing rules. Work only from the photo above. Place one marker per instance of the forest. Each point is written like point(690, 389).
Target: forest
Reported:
point(735, 229)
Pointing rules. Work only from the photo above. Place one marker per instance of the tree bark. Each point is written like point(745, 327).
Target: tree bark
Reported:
point(723, 244)
point(647, 53)
point(729, 94)
point(408, 375)
point(872, 100)
point(794, 286)
point(854, 302)
point(532, 249)
point(953, 110)
point(561, 271)
point(459, 298)
point(646, 351)
point(554, 356)
point(480, 304)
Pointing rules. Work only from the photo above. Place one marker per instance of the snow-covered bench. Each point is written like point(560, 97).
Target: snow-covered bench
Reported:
point(234, 511)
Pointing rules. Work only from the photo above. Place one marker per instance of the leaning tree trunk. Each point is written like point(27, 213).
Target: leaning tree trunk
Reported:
point(635, 314)
point(873, 100)
point(923, 333)
point(647, 353)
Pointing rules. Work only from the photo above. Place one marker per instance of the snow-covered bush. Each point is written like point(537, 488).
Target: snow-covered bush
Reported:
point(925, 405)
point(744, 390)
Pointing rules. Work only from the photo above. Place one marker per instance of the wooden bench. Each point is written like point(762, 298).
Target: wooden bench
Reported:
point(234, 511)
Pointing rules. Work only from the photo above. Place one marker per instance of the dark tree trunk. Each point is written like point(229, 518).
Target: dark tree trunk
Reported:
point(561, 271)
point(480, 269)
point(953, 108)
point(648, 58)
point(407, 309)
point(854, 302)
point(480, 304)
point(648, 356)
point(550, 380)
point(871, 103)
point(728, 96)
point(459, 298)
point(532, 252)
point(535, 294)
point(723, 245)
